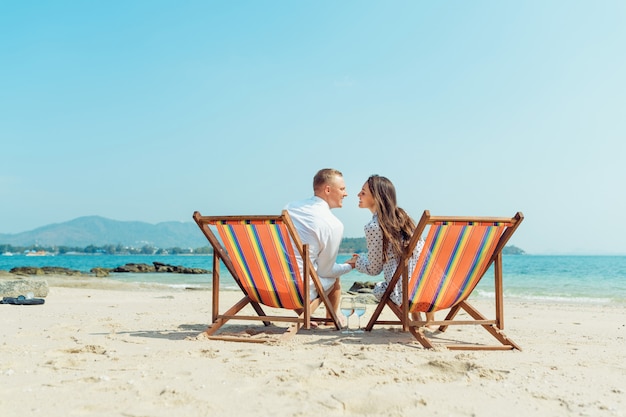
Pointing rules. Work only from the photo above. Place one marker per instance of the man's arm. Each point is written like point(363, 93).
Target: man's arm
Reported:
point(329, 242)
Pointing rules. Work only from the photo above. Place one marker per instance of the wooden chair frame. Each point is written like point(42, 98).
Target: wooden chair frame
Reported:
point(417, 327)
point(308, 274)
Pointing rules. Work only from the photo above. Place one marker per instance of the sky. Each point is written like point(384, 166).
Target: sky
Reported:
point(149, 110)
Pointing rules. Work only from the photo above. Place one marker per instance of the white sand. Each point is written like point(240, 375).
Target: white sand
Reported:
point(104, 352)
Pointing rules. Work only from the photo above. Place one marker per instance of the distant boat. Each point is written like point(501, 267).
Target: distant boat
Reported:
point(38, 253)
point(7, 254)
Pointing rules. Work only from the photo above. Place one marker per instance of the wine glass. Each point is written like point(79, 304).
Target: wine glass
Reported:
point(359, 310)
point(347, 308)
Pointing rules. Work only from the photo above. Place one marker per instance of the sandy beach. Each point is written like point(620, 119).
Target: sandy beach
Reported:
point(114, 352)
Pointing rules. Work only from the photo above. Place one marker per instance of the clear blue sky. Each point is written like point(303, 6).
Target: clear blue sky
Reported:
point(149, 110)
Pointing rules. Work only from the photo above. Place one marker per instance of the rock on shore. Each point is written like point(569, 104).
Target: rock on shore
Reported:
point(26, 279)
point(11, 286)
point(103, 272)
point(159, 267)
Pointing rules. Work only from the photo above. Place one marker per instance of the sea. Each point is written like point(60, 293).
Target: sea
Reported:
point(550, 278)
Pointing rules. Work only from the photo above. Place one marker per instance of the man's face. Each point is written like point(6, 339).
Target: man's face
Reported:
point(335, 192)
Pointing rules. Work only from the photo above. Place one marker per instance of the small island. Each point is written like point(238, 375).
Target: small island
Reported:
point(512, 250)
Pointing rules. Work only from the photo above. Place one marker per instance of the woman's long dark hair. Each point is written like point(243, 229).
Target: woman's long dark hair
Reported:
point(397, 226)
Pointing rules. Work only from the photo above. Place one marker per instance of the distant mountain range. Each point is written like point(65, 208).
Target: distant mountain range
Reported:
point(100, 231)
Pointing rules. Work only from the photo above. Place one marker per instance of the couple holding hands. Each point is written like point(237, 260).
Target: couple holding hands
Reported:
point(387, 233)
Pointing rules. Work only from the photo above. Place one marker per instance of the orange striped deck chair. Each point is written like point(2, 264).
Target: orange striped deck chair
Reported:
point(457, 253)
point(260, 254)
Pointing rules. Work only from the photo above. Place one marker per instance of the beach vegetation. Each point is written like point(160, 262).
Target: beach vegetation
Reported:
point(353, 245)
point(348, 245)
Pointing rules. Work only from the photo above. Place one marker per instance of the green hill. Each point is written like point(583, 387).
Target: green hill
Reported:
point(100, 231)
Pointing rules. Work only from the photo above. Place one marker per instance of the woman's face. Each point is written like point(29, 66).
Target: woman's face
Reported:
point(366, 199)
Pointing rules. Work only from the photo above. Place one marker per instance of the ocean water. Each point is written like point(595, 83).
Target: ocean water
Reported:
point(585, 279)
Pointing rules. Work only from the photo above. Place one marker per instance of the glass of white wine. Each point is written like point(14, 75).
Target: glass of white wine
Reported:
point(347, 309)
point(359, 310)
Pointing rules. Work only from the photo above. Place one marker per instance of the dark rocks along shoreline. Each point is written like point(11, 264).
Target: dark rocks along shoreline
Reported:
point(156, 267)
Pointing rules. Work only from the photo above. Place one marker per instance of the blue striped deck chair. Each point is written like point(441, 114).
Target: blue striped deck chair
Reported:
point(457, 253)
point(261, 253)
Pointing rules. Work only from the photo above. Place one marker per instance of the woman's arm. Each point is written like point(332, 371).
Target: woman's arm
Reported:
point(372, 263)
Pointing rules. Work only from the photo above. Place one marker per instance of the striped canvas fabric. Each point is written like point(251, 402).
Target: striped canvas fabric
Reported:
point(264, 258)
point(453, 260)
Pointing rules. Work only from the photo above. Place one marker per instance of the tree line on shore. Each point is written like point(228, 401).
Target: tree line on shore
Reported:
point(104, 250)
point(348, 245)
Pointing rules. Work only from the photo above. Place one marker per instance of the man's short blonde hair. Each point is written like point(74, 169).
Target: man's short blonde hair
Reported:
point(325, 176)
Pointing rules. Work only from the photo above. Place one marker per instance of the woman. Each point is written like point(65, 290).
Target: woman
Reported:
point(387, 235)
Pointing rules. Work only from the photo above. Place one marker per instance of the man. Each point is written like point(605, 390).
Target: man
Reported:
point(322, 231)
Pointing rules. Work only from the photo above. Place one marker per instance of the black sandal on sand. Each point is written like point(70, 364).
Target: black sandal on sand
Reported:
point(21, 300)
